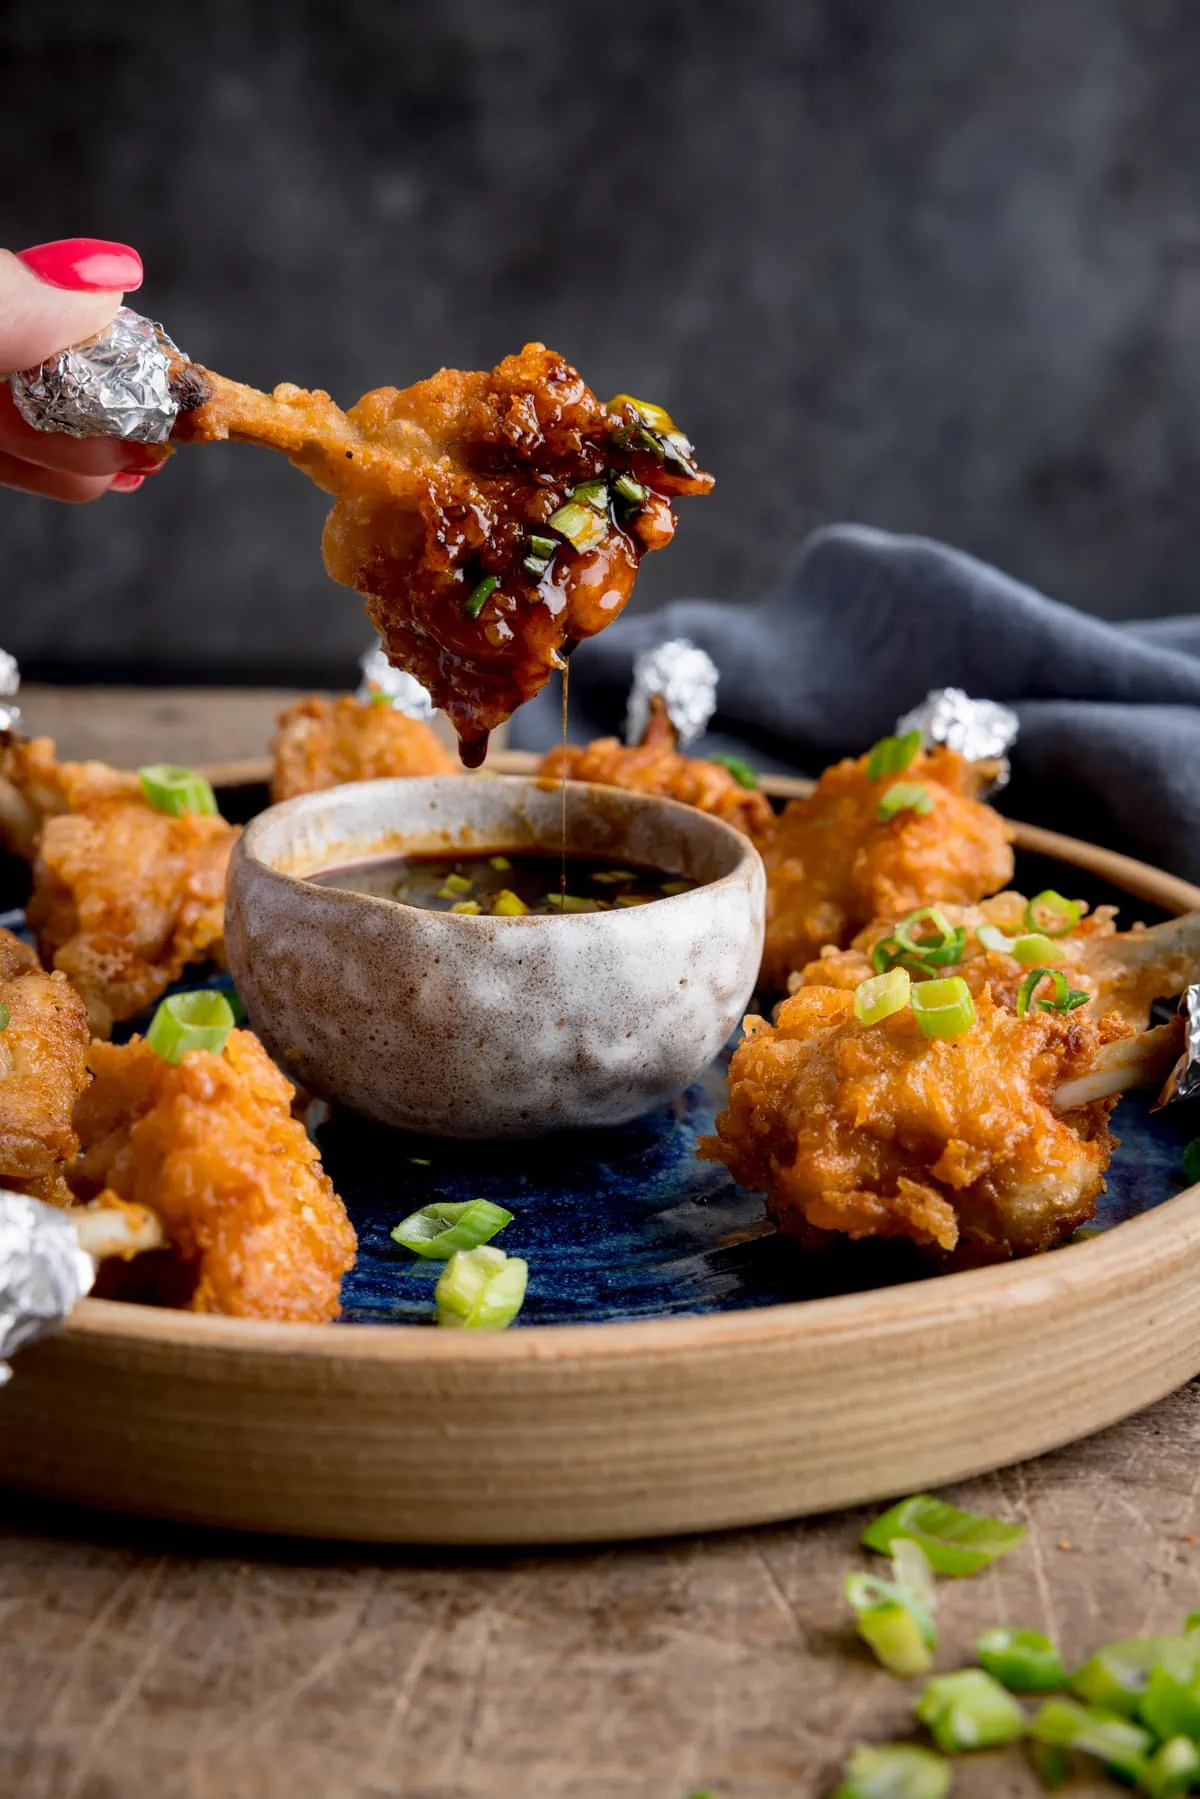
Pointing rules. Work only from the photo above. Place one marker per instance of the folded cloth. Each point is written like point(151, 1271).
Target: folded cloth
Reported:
point(861, 629)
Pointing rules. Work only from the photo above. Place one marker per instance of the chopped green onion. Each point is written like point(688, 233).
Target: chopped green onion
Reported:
point(580, 524)
point(541, 546)
point(612, 877)
point(479, 595)
point(1173, 1770)
point(892, 755)
point(5, 1017)
point(993, 938)
point(481, 1289)
point(438, 1230)
point(593, 494)
point(1116, 1742)
point(188, 1021)
point(570, 902)
point(1191, 1172)
point(1170, 1705)
point(939, 947)
point(969, 1710)
point(467, 908)
point(943, 1008)
point(453, 886)
point(177, 790)
point(1064, 914)
point(508, 904)
point(1116, 1677)
point(743, 774)
point(881, 995)
point(501, 863)
point(895, 1771)
point(1035, 948)
point(894, 1622)
point(912, 1570)
point(671, 888)
point(535, 565)
point(631, 490)
point(380, 699)
point(1191, 1623)
point(1050, 1763)
point(1065, 999)
point(1023, 1660)
point(954, 1542)
point(645, 411)
point(905, 796)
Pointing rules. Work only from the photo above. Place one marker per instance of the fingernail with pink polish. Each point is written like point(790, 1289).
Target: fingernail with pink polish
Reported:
point(86, 265)
point(125, 483)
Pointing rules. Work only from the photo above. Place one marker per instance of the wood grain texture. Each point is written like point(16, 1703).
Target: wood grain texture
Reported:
point(149, 1661)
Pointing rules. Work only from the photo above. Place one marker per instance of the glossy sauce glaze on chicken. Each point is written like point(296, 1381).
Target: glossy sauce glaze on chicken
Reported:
point(491, 521)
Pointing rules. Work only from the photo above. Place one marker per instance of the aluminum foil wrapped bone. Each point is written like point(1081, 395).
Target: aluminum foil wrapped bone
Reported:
point(116, 384)
point(43, 1272)
point(403, 690)
point(1183, 1082)
point(980, 730)
point(686, 677)
point(10, 686)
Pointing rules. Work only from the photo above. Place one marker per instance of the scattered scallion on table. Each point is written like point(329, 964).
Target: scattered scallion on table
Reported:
point(1119, 1744)
point(481, 1289)
point(895, 1619)
point(1170, 1705)
point(969, 1710)
point(905, 796)
point(1051, 914)
point(1063, 998)
point(187, 1021)
point(954, 1541)
point(743, 774)
point(177, 791)
point(895, 1771)
point(1172, 1770)
point(943, 1008)
point(1115, 1678)
point(892, 755)
point(1025, 1661)
point(438, 1230)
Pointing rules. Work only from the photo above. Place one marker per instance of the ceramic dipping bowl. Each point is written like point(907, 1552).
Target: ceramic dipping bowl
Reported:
point(461, 1026)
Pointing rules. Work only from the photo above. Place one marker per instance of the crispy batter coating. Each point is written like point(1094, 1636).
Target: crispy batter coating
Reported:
point(438, 487)
point(210, 1145)
point(1124, 971)
point(875, 1131)
point(321, 743)
point(833, 865)
point(43, 1070)
point(657, 766)
point(124, 897)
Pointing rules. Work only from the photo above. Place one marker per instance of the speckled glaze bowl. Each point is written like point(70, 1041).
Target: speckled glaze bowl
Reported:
point(465, 1026)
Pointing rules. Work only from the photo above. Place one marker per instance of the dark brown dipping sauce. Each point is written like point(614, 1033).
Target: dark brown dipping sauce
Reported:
point(506, 886)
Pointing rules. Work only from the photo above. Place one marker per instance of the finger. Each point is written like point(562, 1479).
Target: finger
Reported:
point(39, 316)
point(53, 484)
point(75, 456)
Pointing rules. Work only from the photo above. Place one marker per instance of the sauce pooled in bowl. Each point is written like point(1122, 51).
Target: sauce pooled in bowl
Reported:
point(506, 885)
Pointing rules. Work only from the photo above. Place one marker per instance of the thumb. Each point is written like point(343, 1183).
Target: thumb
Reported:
point(62, 304)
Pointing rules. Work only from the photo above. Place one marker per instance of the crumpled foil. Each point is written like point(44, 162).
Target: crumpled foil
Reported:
point(402, 689)
point(1183, 1082)
point(686, 677)
point(980, 730)
point(43, 1272)
point(10, 683)
point(116, 384)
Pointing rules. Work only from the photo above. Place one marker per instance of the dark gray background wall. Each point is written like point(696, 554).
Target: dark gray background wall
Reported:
point(930, 264)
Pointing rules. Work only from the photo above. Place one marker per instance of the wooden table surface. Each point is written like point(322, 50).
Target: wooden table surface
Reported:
point(144, 1661)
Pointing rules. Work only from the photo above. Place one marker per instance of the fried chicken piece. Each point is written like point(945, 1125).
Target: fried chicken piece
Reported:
point(657, 766)
point(833, 864)
point(440, 490)
point(1123, 971)
point(43, 1070)
point(209, 1144)
point(321, 743)
point(876, 1131)
point(124, 897)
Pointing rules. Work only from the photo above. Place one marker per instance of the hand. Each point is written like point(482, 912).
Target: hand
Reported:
point(51, 296)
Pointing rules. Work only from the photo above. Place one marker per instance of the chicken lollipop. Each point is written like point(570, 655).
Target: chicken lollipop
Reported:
point(896, 829)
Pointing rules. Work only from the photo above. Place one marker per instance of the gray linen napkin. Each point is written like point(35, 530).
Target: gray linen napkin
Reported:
point(866, 623)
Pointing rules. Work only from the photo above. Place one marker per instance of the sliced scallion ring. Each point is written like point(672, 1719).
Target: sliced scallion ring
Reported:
point(1025, 1661)
point(743, 774)
point(1116, 1742)
point(943, 1008)
point(1170, 1705)
point(1034, 948)
point(581, 525)
point(892, 755)
point(1051, 914)
point(436, 1231)
point(187, 1021)
point(894, 1622)
point(645, 411)
point(479, 596)
point(1172, 1770)
point(993, 938)
point(954, 1541)
point(507, 904)
point(630, 490)
point(940, 946)
point(895, 1771)
point(5, 1017)
point(905, 796)
point(1116, 1677)
point(1065, 999)
point(969, 1710)
point(177, 791)
point(480, 1289)
point(881, 995)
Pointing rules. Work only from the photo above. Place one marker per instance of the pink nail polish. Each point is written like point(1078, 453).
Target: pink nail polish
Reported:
point(125, 483)
point(87, 265)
